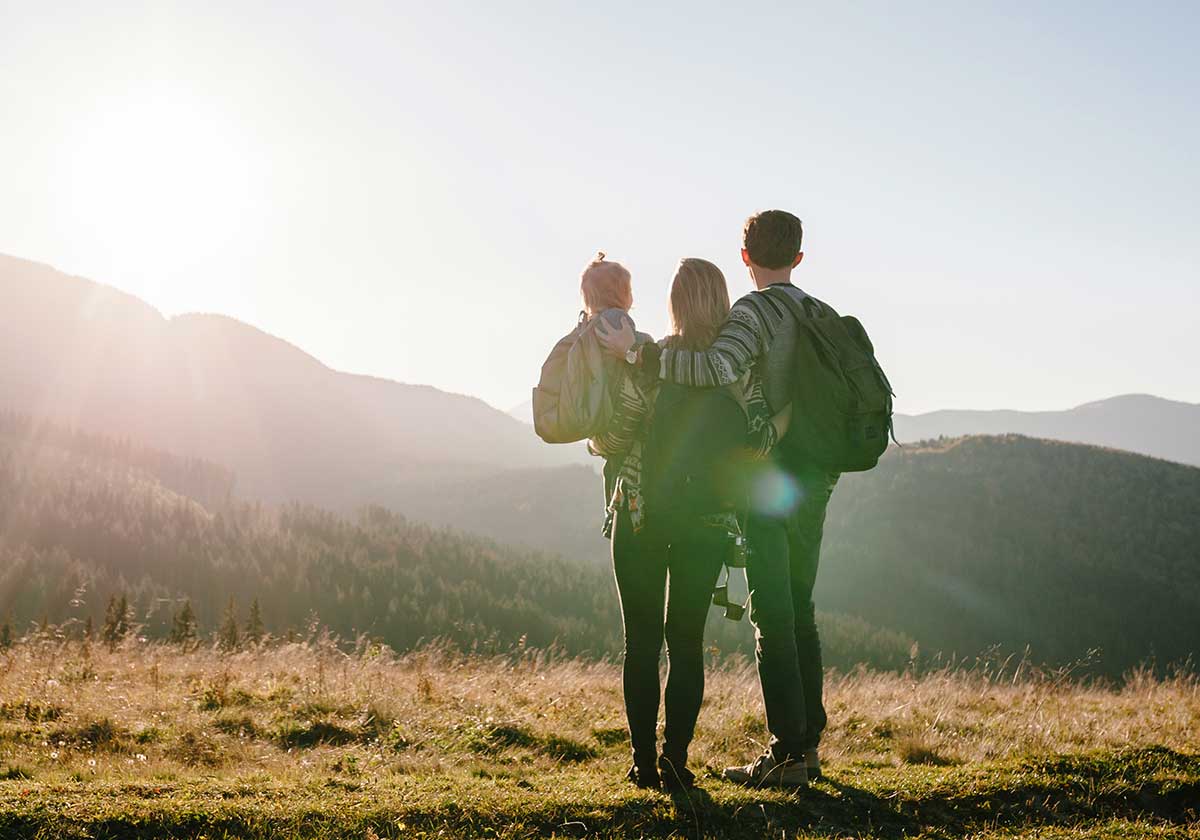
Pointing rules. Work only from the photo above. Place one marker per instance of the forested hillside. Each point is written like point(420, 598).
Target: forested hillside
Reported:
point(47, 447)
point(86, 519)
point(962, 544)
point(1008, 540)
point(558, 510)
point(78, 530)
point(959, 544)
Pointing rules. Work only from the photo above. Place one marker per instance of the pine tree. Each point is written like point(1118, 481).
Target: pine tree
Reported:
point(6, 639)
point(227, 636)
point(183, 627)
point(109, 632)
point(254, 624)
point(124, 619)
point(89, 631)
point(116, 621)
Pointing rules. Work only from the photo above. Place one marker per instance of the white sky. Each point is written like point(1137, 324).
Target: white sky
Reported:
point(1005, 195)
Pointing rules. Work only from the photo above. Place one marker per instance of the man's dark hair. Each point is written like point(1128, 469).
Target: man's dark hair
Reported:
point(772, 238)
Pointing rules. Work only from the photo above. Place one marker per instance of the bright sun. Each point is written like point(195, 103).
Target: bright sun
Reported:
point(162, 177)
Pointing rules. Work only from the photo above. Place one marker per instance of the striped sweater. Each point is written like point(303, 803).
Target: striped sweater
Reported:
point(746, 337)
point(622, 441)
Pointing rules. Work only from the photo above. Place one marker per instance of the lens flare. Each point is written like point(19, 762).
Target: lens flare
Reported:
point(773, 492)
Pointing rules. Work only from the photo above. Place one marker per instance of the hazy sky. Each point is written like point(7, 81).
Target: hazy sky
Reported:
point(1005, 194)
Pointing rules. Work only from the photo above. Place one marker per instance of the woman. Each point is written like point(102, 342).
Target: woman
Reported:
point(671, 544)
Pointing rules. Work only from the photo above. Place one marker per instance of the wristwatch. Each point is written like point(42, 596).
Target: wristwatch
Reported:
point(631, 355)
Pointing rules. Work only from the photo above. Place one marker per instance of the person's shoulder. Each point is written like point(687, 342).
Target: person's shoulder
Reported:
point(760, 305)
point(750, 299)
point(826, 310)
point(748, 308)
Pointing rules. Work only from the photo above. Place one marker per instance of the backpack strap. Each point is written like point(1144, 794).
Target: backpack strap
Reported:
point(799, 311)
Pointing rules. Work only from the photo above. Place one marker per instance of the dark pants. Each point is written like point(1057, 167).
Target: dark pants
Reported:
point(781, 572)
point(680, 565)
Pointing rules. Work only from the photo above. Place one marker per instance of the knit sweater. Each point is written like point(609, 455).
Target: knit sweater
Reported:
point(626, 435)
point(752, 325)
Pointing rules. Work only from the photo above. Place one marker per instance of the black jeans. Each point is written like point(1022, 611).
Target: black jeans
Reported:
point(681, 566)
point(781, 572)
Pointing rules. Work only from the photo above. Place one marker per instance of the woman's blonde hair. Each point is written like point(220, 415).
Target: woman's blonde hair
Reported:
point(605, 285)
point(699, 303)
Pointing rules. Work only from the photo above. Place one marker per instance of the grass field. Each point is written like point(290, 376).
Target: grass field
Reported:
point(307, 741)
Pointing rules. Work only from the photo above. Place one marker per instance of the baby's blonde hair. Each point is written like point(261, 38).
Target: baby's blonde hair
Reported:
point(605, 285)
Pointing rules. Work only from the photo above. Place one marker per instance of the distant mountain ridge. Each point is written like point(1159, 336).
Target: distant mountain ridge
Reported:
point(209, 386)
point(968, 542)
point(1141, 423)
point(1134, 422)
point(523, 411)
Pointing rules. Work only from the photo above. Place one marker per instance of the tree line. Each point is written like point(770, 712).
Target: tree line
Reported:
point(93, 545)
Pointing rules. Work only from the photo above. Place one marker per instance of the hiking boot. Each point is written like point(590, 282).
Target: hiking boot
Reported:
point(765, 771)
point(675, 775)
point(812, 763)
point(644, 777)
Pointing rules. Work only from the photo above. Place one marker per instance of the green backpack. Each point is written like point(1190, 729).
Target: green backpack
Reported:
point(841, 398)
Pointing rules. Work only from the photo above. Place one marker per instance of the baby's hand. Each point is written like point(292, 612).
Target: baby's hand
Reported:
point(616, 342)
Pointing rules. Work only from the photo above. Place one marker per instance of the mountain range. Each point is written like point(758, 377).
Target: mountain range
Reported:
point(290, 428)
point(1133, 422)
point(95, 358)
point(955, 543)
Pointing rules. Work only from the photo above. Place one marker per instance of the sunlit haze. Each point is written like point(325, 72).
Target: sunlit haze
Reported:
point(1004, 194)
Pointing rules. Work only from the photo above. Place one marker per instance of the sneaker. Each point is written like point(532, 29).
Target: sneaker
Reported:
point(675, 775)
point(644, 777)
point(766, 771)
point(812, 763)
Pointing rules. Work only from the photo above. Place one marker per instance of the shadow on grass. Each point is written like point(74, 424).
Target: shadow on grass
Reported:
point(1157, 785)
point(1154, 785)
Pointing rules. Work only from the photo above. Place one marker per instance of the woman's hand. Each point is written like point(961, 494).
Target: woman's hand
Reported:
point(781, 421)
point(616, 342)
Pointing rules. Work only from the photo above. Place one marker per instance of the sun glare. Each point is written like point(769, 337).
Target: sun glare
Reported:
point(161, 176)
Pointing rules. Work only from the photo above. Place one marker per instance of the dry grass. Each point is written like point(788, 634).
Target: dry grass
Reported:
point(150, 718)
point(286, 709)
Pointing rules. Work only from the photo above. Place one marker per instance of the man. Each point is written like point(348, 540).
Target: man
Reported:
point(785, 529)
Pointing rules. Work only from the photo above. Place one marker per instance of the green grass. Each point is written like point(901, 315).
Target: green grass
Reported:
point(1148, 792)
point(290, 741)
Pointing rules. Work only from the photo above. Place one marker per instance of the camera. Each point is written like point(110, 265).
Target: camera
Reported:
point(733, 610)
point(739, 551)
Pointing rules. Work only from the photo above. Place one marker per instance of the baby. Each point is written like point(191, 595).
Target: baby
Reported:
point(607, 291)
